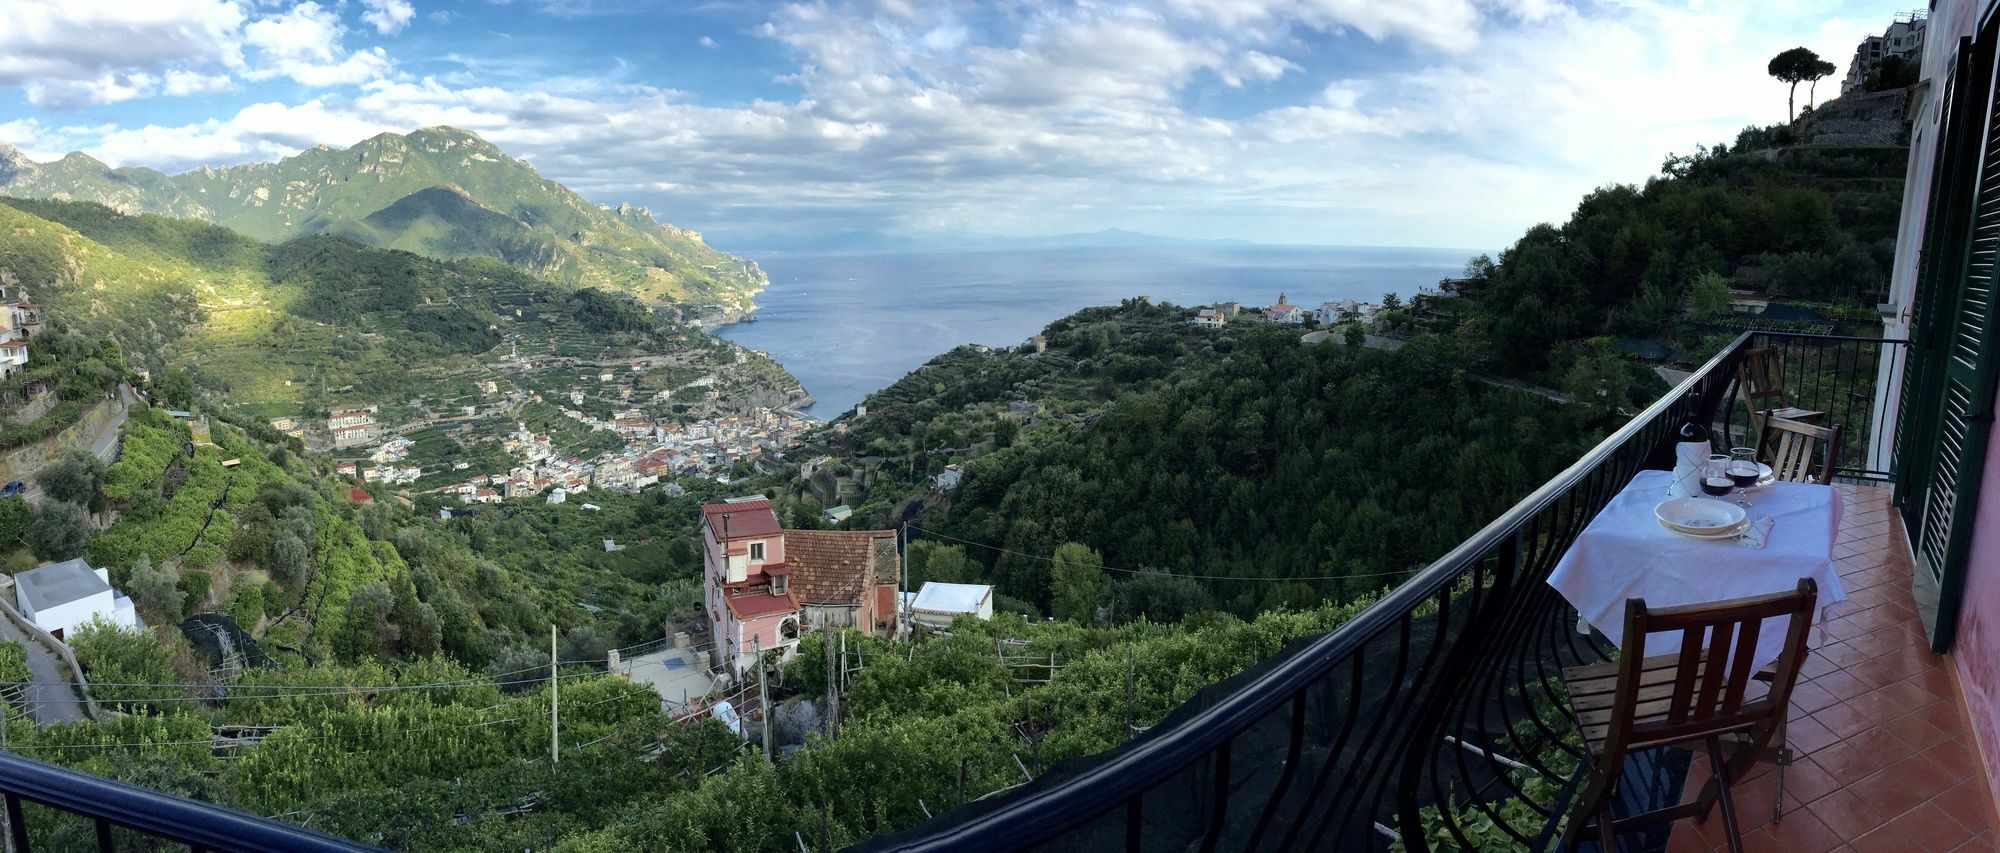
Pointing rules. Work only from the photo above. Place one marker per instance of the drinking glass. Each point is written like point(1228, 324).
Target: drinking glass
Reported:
point(1744, 471)
point(1715, 480)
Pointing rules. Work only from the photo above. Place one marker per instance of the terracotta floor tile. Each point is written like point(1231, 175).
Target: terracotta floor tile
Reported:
point(1935, 681)
point(1843, 721)
point(1981, 843)
point(1812, 696)
point(1895, 700)
point(1842, 654)
point(1881, 672)
point(1932, 828)
point(1806, 782)
point(1686, 840)
point(1914, 730)
point(1944, 715)
point(1861, 756)
point(1955, 758)
point(1807, 735)
point(1846, 814)
point(1969, 802)
point(1887, 839)
point(1842, 684)
point(1799, 833)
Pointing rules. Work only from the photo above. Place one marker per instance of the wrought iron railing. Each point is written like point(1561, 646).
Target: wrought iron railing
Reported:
point(1432, 718)
point(1837, 377)
point(115, 809)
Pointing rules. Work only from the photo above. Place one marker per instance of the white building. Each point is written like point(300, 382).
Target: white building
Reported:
point(1904, 38)
point(937, 603)
point(61, 597)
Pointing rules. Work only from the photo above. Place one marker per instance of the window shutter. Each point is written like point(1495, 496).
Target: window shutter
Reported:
point(1956, 385)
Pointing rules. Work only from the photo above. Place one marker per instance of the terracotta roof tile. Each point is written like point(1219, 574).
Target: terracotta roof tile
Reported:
point(747, 518)
point(835, 566)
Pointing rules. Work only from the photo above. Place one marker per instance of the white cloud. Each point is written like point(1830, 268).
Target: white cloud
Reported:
point(706, 41)
point(1477, 118)
point(305, 44)
point(69, 54)
point(388, 17)
point(180, 82)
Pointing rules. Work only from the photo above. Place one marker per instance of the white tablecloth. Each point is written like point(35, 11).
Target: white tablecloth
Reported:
point(1625, 553)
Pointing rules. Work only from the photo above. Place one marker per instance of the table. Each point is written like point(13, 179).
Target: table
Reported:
point(1625, 553)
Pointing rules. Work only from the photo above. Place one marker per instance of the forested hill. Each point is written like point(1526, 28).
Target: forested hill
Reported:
point(1182, 454)
point(1317, 471)
point(1776, 213)
point(438, 191)
point(322, 322)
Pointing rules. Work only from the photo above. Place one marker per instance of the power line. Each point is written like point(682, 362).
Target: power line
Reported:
point(1163, 572)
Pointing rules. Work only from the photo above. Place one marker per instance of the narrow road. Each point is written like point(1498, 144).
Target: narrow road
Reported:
point(104, 444)
point(50, 699)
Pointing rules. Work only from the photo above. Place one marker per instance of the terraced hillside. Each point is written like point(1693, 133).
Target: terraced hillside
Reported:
point(321, 322)
point(441, 192)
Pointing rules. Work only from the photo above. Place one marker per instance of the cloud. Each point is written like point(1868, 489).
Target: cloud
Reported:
point(305, 44)
point(706, 41)
point(1442, 122)
point(388, 17)
point(68, 54)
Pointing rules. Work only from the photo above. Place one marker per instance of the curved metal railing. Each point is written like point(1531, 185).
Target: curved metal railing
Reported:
point(1433, 716)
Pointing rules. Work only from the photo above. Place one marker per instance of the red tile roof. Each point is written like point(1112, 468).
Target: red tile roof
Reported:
point(738, 520)
point(760, 604)
point(837, 566)
point(359, 496)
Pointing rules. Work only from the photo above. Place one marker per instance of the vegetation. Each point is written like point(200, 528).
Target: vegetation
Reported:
point(441, 192)
point(1795, 66)
point(320, 323)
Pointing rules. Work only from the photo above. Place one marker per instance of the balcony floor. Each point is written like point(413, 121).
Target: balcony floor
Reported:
point(1888, 761)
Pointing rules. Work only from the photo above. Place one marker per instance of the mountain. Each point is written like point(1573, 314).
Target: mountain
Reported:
point(438, 191)
point(322, 322)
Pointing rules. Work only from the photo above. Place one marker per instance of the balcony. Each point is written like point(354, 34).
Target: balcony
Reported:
point(1886, 760)
point(1433, 720)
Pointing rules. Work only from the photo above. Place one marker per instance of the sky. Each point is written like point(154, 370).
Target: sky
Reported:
point(1451, 123)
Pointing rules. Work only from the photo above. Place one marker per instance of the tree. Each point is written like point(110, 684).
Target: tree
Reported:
point(175, 389)
point(1821, 68)
point(933, 561)
point(157, 590)
point(1708, 295)
point(14, 517)
point(1159, 598)
point(194, 589)
point(1078, 585)
point(1392, 302)
point(75, 477)
point(286, 560)
point(57, 530)
point(1793, 67)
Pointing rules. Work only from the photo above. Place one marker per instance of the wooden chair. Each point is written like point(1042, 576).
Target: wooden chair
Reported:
point(1799, 452)
point(1761, 382)
point(1697, 695)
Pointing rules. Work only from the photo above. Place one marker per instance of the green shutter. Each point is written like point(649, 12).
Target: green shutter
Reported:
point(1953, 406)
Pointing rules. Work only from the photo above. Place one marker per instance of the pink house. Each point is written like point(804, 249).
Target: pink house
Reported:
point(751, 606)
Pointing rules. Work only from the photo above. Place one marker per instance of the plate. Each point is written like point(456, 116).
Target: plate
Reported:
point(1717, 533)
point(1700, 516)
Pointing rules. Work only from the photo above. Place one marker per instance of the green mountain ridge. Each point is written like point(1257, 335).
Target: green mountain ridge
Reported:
point(547, 230)
point(320, 322)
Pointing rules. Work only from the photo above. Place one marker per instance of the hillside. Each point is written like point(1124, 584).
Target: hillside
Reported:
point(321, 323)
point(438, 191)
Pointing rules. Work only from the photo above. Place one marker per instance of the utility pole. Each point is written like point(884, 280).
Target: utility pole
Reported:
point(832, 692)
point(555, 701)
point(763, 699)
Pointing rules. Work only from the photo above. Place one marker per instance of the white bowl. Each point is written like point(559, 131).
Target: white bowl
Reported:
point(1701, 516)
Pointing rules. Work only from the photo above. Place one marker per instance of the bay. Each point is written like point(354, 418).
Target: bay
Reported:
point(850, 324)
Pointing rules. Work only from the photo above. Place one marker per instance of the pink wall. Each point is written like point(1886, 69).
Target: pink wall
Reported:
point(1976, 652)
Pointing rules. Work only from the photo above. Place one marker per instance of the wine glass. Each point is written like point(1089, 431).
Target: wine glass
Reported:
point(1715, 479)
point(1744, 471)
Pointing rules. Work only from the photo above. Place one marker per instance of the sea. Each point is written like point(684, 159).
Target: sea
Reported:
point(850, 324)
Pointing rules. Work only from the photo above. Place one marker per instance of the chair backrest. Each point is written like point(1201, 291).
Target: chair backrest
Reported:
point(1800, 452)
point(1704, 692)
point(1761, 381)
